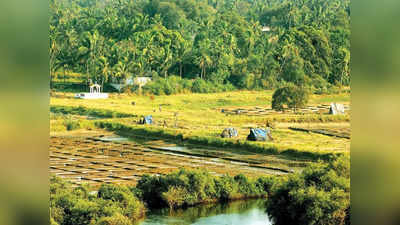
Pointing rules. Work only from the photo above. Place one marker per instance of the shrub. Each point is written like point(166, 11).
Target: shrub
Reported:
point(200, 86)
point(292, 96)
point(75, 205)
point(319, 195)
point(112, 192)
point(71, 124)
point(152, 188)
point(190, 187)
point(319, 85)
point(227, 188)
point(129, 89)
point(53, 222)
point(176, 85)
point(245, 186)
point(116, 219)
point(167, 86)
point(83, 212)
point(175, 196)
point(266, 184)
point(124, 198)
point(80, 110)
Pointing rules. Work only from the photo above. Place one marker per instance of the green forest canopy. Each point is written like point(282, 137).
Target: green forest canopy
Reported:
point(245, 43)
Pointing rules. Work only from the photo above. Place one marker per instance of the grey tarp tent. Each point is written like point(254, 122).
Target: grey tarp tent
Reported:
point(229, 133)
point(336, 109)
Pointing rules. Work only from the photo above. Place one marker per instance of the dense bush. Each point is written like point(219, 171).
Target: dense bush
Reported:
point(200, 86)
point(176, 85)
point(81, 110)
point(63, 122)
point(290, 96)
point(116, 219)
point(168, 86)
point(185, 188)
point(319, 195)
point(71, 124)
point(176, 196)
point(266, 183)
point(115, 205)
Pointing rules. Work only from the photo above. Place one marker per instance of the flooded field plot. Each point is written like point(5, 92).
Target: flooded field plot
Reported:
point(340, 130)
point(341, 133)
point(261, 111)
point(97, 160)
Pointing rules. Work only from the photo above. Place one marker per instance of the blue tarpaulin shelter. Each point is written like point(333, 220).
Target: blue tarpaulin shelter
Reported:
point(257, 134)
point(147, 120)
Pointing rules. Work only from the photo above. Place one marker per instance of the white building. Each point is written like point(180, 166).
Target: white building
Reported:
point(95, 93)
point(265, 29)
point(139, 81)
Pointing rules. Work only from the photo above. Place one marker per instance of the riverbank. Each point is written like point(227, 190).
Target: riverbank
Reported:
point(181, 189)
point(322, 186)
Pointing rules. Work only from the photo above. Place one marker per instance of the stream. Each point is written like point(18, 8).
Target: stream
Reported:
point(243, 212)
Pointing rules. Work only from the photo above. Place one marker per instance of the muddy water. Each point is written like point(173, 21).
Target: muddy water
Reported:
point(114, 138)
point(249, 212)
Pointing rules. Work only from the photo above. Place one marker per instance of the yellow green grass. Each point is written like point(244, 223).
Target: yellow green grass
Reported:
point(200, 118)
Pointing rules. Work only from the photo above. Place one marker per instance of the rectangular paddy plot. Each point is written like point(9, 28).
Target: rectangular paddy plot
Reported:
point(95, 161)
point(260, 111)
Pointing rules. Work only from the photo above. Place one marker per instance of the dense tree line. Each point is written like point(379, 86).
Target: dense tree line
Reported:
point(247, 44)
point(191, 187)
point(121, 205)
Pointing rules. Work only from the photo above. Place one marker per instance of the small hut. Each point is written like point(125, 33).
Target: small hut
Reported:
point(146, 120)
point(336, 109)
point(258, 134)
point(95, 88)
point(229, 133)
point(94, 93)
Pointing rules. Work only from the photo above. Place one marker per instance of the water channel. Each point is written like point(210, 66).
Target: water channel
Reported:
point(244, 212)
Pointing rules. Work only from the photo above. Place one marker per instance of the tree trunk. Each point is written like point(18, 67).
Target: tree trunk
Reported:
point(204, 76)
point(51, 80)
point(87, 74)
point(180, 70)
point(64, 80)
